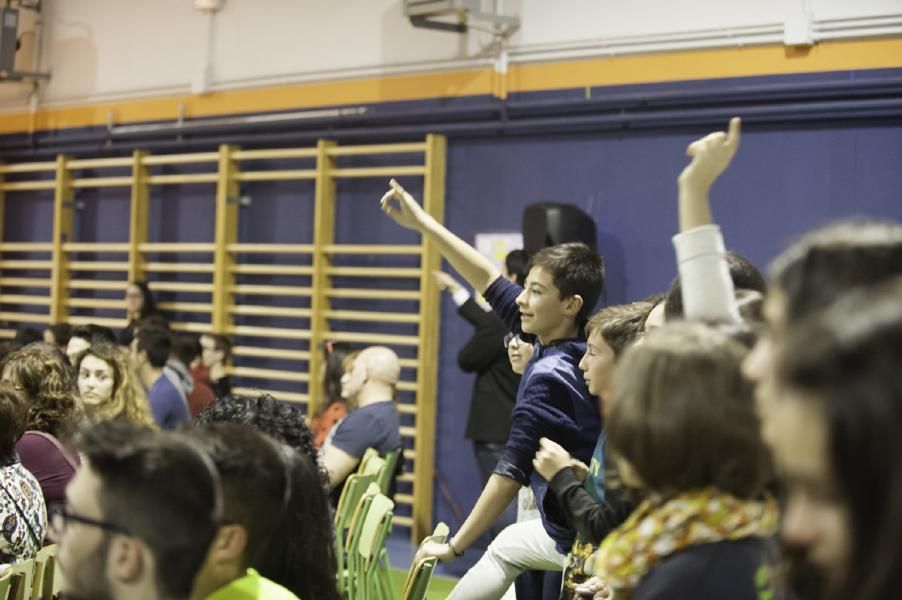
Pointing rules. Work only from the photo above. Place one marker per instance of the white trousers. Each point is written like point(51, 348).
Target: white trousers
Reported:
point(519, 547)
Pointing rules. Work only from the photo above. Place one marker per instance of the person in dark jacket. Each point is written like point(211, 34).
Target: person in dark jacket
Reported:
point(682, 427)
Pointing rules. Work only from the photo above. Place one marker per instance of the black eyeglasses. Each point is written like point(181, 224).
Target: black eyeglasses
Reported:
point(60, 517)
point(512, 338)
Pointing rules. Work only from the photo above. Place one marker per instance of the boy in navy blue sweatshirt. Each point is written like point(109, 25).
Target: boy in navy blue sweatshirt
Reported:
point(563, 284)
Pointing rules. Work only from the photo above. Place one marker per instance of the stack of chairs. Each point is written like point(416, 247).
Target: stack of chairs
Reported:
point(420, 573)
point(34, 579)
point(363, 521)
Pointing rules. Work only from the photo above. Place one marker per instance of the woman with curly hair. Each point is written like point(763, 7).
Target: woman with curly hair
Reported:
point(108, 387)
point(42, 375)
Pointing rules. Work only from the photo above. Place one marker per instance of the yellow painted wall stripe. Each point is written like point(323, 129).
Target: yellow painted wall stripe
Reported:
point(621, 70)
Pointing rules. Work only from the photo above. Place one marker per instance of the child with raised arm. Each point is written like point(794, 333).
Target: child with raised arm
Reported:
point(563, 284)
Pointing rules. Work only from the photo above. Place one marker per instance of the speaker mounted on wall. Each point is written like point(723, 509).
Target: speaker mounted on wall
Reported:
point(551, 223)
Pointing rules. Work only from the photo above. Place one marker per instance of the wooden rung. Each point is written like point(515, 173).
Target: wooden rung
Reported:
point(98, 163)
point(373, 294)
point(278, 395)
point(160, 267)
point(372, 249)
point(409, 148)
point(192, 327)
point(179, 159)
point(166, 247)
point(375, 338)
point(89, 284)
point(284, 175)
point(365, 315)
point(92, 247)
point(408, 431)
point(197, 307)
point(406, 409)
point(179, 286)
point(409, 363)
point(270, 248)
point(15, 299)
point(405, 477)
point(410, 454)
point(21, 186)
point(407, 386)
point(174, 179)
point(26, 264)
point(402, 521)
point(271, 270)
point(374, 272)
point(105, 321)
point(275, 332)
point(96, 303)
point(403, 499)
point(379, 171)
point(29, 167)
point(280, 153)
point(24, 317)
point(269, 374)
point(271, 290)
point(273, 311)
point(26, 246)
point(98, 182)
point(7, 333)
point(274, 353)
point(90, 265)
point(24, 282)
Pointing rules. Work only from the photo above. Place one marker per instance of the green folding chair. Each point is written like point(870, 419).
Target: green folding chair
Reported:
point(387, 472)
point(46, 583)
point(351, 494)
point(25, 571)
point(8, 584)
point(373, 580)
point(368, 455)
point(420, 574)
point(351, 583)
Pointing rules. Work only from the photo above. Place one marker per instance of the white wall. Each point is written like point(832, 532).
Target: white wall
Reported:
point(102, 50)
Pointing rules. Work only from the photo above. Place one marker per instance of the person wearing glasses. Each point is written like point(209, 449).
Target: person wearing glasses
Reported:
point(140, 515)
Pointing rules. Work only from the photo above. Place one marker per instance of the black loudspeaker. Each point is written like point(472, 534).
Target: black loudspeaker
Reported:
point(551, 223)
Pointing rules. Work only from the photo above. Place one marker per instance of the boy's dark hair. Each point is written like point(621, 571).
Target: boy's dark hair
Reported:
point(575, 269)
point(61, 333)
point(13, 421)
point(517, 264)
point(28, 335)
point(831, 260)
point(266, 491)
point(47, 382)
point(154, 320)
point(619, 325)
point(185, 348)
point(162, 490)
point(744, 274)
point(683, 415)
point(157, 342)
point(846, 359)
point(222, 343)
point(94, 334)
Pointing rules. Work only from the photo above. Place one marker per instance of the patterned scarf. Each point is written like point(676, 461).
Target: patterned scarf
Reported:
point(657, 529)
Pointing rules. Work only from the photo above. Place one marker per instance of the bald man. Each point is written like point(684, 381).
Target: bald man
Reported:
point(373, 422)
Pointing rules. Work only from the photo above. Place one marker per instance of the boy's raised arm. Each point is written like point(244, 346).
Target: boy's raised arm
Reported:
point(466, 260)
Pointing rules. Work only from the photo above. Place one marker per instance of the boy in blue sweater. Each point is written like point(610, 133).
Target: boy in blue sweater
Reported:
point(563, 284)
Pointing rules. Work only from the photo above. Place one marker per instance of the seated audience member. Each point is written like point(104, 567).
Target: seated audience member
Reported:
point(44, 378)
point(149, 353)
point(270, 495)
point(593, 499)
point(22, 509)
point(681, 427)
point(58, 335)
point(334, 408)
point(85, 336)
point(28, 335)
point(109, 388)
point(141, 514)
point(185, 351)
point(369, 388)
point(837, 440)
point(139, 304)
point(282, 421)
point(216, 354)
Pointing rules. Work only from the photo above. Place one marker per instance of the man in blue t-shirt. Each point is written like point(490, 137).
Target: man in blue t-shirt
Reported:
point(149, 353)
point(369, 388)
